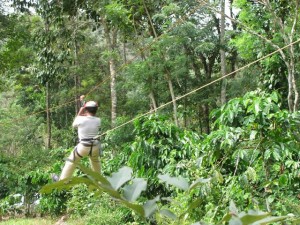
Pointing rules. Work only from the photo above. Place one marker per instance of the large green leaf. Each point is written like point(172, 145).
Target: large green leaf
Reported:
point(101, 182)
point(251, 218)
point(150, 207)
point(296, 221)
point(178, 182)
point(226, 218)
point(233, 209)
point(121, 177)
point(137, 208)
point(194, 204)
point(198, 182)
point(65, 184)
point(133, 191)
point(235, 221)
point(93, 175)
point(268, 220)
point(168, 213)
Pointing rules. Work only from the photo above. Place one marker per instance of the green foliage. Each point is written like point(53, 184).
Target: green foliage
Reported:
point(160, 146)
point(54, 203)
point(100, 183)
point(110, 185)
point(250, 149)
point(251, 155)
point(95, 209)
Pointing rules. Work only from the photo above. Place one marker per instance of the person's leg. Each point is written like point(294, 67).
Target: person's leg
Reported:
point(95, 160)
point(75, 156)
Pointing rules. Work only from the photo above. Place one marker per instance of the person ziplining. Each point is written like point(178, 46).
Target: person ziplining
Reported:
point(88, 126)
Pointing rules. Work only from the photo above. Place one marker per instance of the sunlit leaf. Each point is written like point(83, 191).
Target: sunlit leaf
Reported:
point(235, 221)
point(268, 220)
point(233, 209)
point(194, 204)
point(92, 174)
point(133, 191)
point(65, 184)
point(137, 208)
point(168, 213)
point(150, 207)
point(251, 218)
point(121, 177)
point(178, 182)
point(199, 182)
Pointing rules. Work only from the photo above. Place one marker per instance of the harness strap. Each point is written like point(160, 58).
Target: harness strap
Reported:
point(91, 149)
point(91, 145)
point(75, 151)
point(89, 139)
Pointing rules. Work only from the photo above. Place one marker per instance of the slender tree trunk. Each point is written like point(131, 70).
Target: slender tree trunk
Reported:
point(289, 60)
point(205, 110)
point(153, 102)
point(222, 53)
point(149, 19)
point(111, 41)
point(233, 58)
point(48, 145)
point(124, 53)
point(168, 75)
point(171, 89)
point(77, 82)
point(112, 67)
point(292, 59)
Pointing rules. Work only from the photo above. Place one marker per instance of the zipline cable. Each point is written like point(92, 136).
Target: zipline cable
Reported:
point(202, 87)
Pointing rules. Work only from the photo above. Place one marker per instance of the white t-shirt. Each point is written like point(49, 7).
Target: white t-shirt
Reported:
point(88, 126)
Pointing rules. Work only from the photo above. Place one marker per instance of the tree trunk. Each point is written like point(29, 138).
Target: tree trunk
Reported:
point(292, 59)
point(234, 55)
point(111, 42)
point(173, 98)
point(153, 106)
point(48, 144)
point(76, 81)
point(222, 53)
point(206, 125)
point(112, 68)
point(208, 63)
point(289, 60)
point(75, 63)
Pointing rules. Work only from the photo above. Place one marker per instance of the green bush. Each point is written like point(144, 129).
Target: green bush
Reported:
point(107, 211)
point(54, 203)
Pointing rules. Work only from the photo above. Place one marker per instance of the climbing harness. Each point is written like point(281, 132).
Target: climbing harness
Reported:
point(90, 144)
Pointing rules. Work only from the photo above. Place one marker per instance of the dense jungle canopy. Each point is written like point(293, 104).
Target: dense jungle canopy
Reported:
point(199, 103)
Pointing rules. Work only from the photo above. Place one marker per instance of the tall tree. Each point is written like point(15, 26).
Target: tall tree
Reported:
point(222, 52)
point(276, 22)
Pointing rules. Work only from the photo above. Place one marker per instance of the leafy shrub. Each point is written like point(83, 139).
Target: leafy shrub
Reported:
point(160, 147)
point(101, 212)
point(54, 203)
point(125, 192)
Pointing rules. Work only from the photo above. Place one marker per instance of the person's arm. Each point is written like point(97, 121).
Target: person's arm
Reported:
point(81, 111)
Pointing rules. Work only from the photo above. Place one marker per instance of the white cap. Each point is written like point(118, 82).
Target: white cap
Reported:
point(91, 104)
